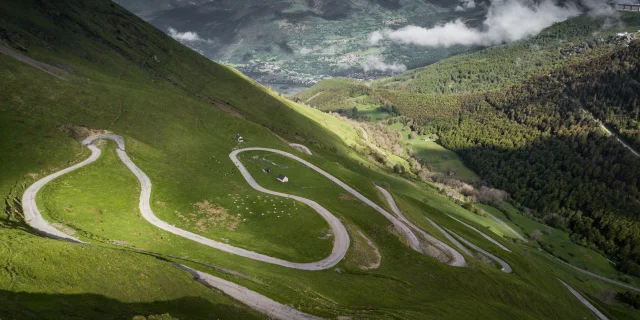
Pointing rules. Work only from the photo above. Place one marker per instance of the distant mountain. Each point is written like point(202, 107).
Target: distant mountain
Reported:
point(292, 43)
point(528, 117)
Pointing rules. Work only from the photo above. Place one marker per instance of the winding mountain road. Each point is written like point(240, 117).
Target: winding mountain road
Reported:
point(585, 302)
point(449, 237)
point(410, 236)
point(482, 234)
point(253, 299)
point(617, 283)
point(261, 303)
point(615, 135)
point(506, 268)
point(257, 301)
point(31, 213)
point(457, 260)
point(508, 227)
point(341, 237)
point(249, 297)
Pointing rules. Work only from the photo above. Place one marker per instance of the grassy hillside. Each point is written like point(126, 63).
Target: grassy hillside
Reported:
point(519, 117)
point(44, 279)
point(431, 92)
point(179, 113)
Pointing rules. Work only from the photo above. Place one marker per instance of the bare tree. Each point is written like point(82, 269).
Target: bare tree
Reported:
point(536, 235)
point(424, 174)
point(492, 196)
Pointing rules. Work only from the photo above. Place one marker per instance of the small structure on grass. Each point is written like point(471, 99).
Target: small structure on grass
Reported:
point(266, 170)
point(282, 178)
point(631, 7)
point(239, 138)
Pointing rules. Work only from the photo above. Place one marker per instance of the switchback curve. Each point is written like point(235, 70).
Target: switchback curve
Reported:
point(35, 220)
point(410, 236)
point(457, 260)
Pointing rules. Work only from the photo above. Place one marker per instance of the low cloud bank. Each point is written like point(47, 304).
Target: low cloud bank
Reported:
point(184, 36)
point(375, 63)
point(506, 21)
point(466, 5)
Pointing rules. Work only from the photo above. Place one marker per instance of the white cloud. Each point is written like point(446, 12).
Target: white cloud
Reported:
point(506, 21)
point(375, 38)
point(375, 63)
point(466, 5)
point(184, 36)
point(304, 51)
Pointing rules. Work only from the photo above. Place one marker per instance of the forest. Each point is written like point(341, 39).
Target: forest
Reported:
point(526, 118)
point(539, 141)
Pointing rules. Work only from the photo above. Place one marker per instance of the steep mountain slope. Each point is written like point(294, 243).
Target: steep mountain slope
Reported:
point(483, 71)
point(179, 115)
point(294, 43)
point(524, 120)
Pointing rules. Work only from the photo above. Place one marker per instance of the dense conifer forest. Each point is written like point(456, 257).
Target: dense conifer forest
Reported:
point(526, 117)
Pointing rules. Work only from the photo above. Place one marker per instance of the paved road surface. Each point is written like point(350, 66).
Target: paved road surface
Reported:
point(251, 298)
point(261, 303)
point(508, 227)
point(35, 219)
point(483, 235)
point(56, 72)
point(450, 238)
point(617, 283)
point(457, 260)
point(603, 127)
point(506, 268)
point(635, 153)
point(341, 238)
point(585, 302)
point(31, 213)
point(411, 238)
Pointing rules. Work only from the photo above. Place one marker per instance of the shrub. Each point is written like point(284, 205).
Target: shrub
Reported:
point(630, 298)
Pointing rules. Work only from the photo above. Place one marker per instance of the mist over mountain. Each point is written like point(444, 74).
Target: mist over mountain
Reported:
point(291, 43)
point(295, 43)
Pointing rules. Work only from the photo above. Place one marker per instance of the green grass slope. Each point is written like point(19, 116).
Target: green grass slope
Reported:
point(44, 279)
point(125, 76)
